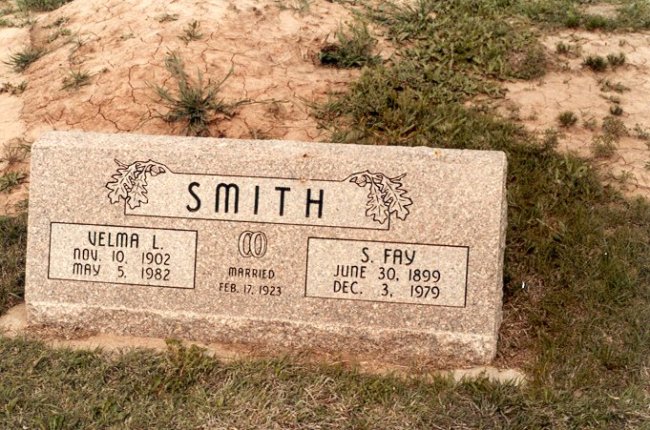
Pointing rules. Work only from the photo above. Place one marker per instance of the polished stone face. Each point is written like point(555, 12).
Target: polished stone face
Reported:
point(388, 254)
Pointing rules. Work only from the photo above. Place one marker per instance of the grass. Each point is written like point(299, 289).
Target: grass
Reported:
point(13, 241)
point(15, 151)
point(167, 17)
point(567, 119)
point(76, 79)
point(40, 5)
point(353, 48)
point(59, 32)
point(191, 32)
point(576, 277)
point(567, 49)
point(617, 87)
point(630, 14)
point(11, 180)
point(603, 146)
point(14, 90)
point(186, 389)
point(194, 103)
point(616, 110)
point(595, 63)
point(614, 127)
point(302, 7)
point(641, 133)
point(616, 60)
point(578, 247)
point(20, 61)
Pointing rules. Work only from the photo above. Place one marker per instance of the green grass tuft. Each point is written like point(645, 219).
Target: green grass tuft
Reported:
point(631, 14)
point(607, 85)
point(595, 63)
point(616, 110)
point(9, 181)
point(353, 48)
point(191, 32)
point(40, 5)
point(76, 79)
point(20, 61)
point(616, 60)
point(614, 127)
point(567, 119)
point(167, 17)
point(14, 90)
point(13, 242)
point(603, 146)
point(195, 103)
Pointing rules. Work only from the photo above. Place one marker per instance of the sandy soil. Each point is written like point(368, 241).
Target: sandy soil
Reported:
point(269, 44)
point(573, 87)
point(12, 126)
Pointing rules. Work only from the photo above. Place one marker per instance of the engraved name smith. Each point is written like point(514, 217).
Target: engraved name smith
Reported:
point(326, 202)
point(226, 199)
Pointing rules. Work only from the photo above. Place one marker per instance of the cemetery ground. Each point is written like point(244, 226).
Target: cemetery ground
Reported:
point(559, 85)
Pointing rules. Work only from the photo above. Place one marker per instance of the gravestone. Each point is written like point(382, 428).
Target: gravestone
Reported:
point(387, 254)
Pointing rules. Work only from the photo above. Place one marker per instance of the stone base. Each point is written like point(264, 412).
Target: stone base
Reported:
point(401, 348)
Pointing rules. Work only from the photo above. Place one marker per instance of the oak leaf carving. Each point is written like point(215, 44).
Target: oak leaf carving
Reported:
point(130, 182)
point(386, 196)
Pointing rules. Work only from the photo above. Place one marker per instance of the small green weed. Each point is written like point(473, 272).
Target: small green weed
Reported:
point(616, 60)
point(603, 146)
point(40, 5)
point(60, 32)
point(20, 61)
point(598, 22)
point(15, 151)
point(354, 48)
point(562, 48)
point(567, 119)
point(530, 64)
point(567, 49)
point(616, 110)
point(595, 63)
point(14, 90)
point(76, 79)
point(300, 6)
point(195, 103)
point(9, 181)
point(590, 123)
point(167, 17)
point(13, 243)
point(59, 22)
point(606, 85)
point(7, 9)
point(191, 32)
point(634, 15)
point(614, 127)
point(641, 132)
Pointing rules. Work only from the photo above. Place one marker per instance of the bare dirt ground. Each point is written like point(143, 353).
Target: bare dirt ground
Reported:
point(269, 45)
point(573, 87)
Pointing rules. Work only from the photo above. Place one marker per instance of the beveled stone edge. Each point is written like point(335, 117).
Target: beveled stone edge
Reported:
point(410, 348)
